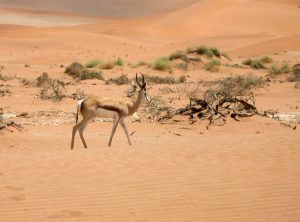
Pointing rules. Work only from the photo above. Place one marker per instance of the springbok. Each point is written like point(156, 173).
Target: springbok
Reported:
point(97, 106)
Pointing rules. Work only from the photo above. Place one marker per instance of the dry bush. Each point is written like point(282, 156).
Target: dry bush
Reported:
point(189, 90)
point(121, 80)
point(53, 92)
point(277, 70)
point(78, 71)
point(296, 74)
point(160, 80)
point(78, 95)
point(239, 85)
point(5, 92)
point(44, 79)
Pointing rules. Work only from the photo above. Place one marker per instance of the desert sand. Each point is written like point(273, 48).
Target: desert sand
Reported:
point(177, 171)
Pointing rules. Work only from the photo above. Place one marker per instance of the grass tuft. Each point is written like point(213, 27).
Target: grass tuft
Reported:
point(93, 63)
point(213, 65)
point(162, 64)
point(119, 62)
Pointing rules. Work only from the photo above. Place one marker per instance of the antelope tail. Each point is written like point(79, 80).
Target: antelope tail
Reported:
point(78, 109)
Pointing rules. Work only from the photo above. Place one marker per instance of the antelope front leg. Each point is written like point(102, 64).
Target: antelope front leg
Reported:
point(116, 121)
point(123, 124)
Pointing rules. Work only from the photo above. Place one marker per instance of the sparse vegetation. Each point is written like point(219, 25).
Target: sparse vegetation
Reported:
point(233, 66)
point(78, 71)
point(210, 52)
point(43, 79)
point(4, 92)
point(254, 63)
point(239, 85)
point(226, 56)
point(276, 70)
point(160, 80)
point(118, 62)
point(91, 75)
point(121, 80)
point(266, 59)
point(296, 74)
point(162, 64)
point(182, 66)
point(213, 65)
point(26, 65)
point(93, 63)
point(182, 79)
point(178, 55)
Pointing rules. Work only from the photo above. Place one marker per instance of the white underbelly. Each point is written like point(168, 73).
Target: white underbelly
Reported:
point(103, 113)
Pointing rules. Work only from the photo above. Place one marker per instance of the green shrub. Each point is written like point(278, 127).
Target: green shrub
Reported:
point(162, 64)
point(93, 63)
point(266, 59)
point(177, 55)
point(119, 62)
point(213, 65)
point(216, 52)
point(253, 63)
point(189, 50)
point(276, 70)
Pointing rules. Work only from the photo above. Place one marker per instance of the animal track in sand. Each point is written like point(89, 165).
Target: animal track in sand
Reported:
point(13, 188)
point(67, 214)
point(18, 197)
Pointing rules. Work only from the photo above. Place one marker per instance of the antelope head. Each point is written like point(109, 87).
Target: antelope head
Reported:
point(142, 86)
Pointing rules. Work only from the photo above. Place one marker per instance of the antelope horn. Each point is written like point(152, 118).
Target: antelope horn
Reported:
point(143, 80)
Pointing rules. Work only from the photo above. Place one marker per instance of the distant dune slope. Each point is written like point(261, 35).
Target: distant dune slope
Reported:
point(110, 8)
point(243, 27)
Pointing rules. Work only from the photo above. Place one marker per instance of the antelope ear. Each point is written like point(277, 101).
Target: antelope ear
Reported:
point(133, 84)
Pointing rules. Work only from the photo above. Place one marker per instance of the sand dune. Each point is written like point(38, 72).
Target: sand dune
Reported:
point(241, 171)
